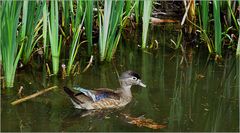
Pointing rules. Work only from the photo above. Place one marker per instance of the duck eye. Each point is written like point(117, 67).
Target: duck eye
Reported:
point(134, 78)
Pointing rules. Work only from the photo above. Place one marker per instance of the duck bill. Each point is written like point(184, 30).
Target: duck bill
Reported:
point(142, 84)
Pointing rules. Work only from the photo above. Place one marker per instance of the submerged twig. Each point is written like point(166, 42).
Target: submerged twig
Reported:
point(20, 91)
point(48, 69)
point(90, 62)
point(32, 96)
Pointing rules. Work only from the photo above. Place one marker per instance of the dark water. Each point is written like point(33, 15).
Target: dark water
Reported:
point(185, 92)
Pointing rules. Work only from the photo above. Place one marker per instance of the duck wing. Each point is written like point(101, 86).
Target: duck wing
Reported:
point(79, 98)
point(99, 94)
point(113, 94)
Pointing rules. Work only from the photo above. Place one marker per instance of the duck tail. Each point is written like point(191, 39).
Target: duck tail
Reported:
point(71, 94)
point(68, 91)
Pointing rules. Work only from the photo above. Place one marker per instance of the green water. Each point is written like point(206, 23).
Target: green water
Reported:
point(184, 92)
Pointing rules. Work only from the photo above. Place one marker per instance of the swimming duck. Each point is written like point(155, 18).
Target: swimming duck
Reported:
point(104, 98)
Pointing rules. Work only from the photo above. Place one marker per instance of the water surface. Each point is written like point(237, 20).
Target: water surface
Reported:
point(185, 92)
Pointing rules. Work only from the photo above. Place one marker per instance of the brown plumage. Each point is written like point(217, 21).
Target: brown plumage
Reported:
point(103, 98)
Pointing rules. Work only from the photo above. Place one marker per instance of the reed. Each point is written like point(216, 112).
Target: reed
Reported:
point(238, 45)
point(147, 9)
point(66, 6)
point(53, 36)
point(44, 29)
point(31, 25)
point(10, 51)
point(108, 28)
point(217, 27)
point(136, 10)
point(205, 11)
point(121, 20)
point(75, 45)
point(231, 14)
point(89, 23)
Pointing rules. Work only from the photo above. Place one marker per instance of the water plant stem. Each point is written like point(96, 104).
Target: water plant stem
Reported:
point(147, 9)
point(217, 27)
point(53, 35)
point(10, 52)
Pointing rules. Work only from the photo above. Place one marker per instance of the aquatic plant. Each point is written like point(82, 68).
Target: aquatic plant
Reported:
point(108, 27)
point(217, 27)
point(88, 23)
point(53, 36)
point(74, 45)
point(238, 45)
point(205, 11)
point(147, 9)
point(44, 29)
point(136, 10)
point(10, 51)
point(31, 25)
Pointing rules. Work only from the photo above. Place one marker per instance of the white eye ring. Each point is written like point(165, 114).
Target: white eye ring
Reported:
point(134, 78)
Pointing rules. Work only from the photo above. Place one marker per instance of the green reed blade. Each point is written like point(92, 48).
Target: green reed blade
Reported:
point(10, 52)
point(30, 27)
point(109, 32)
point(136, 10)
point(89, 23)
point(119, 21)
point(104, 29)
point(205, 10)
point(44, 30)
point(232, 14)
point(53, 36)
point(146, 17)
point(75, 45)
point(238, 45)
point(217, 27)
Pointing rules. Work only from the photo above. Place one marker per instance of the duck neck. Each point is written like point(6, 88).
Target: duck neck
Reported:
point(126, 89)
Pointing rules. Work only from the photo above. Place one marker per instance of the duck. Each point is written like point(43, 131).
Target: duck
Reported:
point(105, 98)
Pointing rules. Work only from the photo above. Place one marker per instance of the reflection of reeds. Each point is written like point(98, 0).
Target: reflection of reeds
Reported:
point(176, 109)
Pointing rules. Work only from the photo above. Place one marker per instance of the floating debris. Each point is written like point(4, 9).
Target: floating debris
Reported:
point(143, 122)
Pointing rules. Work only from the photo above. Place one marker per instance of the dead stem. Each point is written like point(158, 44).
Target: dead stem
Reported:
point(32, 96)
point(90, 62)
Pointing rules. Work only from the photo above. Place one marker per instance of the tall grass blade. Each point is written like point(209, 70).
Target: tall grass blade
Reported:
point(44, 30)
point(10, 52)
point(74, 45)
point(89, 22)
point(110, 32)
point(103, 28)
point(76, 20)
point(146, 17)
point(136, 10)
point(205, 10)
point(232, 14)
point(217, 27)
point(238, 45)
point(65, 16)
point(32, 12)
point(53, 36)
point(120, 20)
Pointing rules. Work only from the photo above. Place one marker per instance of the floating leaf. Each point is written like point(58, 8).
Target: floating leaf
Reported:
point(143, 122)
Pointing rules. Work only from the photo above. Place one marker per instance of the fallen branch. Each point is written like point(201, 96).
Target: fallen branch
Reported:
point(90, 62)
point(32, 96)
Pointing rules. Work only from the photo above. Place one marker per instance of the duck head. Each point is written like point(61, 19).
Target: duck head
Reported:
point(129, 78)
